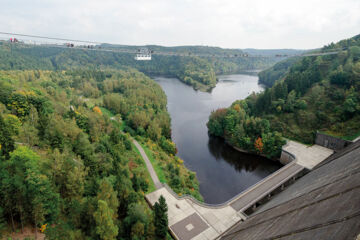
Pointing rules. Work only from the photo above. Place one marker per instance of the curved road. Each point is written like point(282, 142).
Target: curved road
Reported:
point(149, 166)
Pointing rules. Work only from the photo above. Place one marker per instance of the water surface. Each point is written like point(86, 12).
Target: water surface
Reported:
point(222, 171)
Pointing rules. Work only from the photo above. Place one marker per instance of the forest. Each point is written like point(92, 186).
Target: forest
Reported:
point(308, 94)
point(278, 71)
point(67, 162)
point(199, 72)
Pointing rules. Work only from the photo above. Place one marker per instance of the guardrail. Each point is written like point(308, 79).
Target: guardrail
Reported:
point(228, 202)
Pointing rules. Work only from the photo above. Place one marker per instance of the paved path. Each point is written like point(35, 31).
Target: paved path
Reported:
point(149, 166)
point(307, 156)
point(261, 189)
point(190, 219)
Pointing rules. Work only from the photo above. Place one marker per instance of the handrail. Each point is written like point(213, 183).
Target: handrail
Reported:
point(228, 202)
point(261, 181)
point(251, 188)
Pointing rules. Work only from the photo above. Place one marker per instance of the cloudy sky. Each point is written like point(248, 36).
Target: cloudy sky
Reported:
point(298, 24)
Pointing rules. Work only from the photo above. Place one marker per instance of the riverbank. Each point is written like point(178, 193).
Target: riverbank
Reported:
point(251, 153)
point(222, 171)
point(169, 169)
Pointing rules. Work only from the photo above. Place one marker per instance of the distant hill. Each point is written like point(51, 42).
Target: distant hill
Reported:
point(194, 65)
point(180, 49)
point(273, 52)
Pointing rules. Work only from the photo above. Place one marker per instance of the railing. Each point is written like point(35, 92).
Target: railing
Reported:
point(253, 187)
point(191, 198)
point(228, 202)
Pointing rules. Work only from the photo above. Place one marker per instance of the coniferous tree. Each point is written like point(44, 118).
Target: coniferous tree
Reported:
point(161, 218)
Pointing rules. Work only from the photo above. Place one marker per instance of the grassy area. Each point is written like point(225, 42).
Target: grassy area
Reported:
point(347, 137)
point(159, 171)
point(122, 126)
point(296, 140)
point(106, 112)
point(147, 174)
point(351, 137)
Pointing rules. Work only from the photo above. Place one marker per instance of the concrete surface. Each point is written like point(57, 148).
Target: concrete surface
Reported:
point(266, 186)
point(307, 156)
point(207, 222)
point(323, 204)
point(191, 219)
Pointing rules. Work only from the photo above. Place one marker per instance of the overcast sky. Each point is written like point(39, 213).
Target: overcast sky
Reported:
point(298, 24)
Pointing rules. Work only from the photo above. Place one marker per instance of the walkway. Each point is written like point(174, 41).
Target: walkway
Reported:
point(252, 195)
point(149, 166)
point(307, 156)
point(191, 219)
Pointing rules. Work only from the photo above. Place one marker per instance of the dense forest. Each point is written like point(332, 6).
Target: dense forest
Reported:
point(276, 72)
point(193, 70)
point(67, 118)
point(317, 93)
point(66, 164)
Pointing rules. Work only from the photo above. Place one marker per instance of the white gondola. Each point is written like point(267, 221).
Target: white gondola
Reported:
point(143, 55)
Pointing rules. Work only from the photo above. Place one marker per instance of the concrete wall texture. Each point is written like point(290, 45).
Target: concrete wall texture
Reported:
point(331, 142)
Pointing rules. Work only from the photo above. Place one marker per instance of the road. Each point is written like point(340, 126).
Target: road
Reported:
point(148, 164)
point(255, 193)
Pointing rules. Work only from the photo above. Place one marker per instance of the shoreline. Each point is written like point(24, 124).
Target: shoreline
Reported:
point(248, 152)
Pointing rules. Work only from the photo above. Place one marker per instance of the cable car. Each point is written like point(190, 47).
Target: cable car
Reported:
point(14, 40)
point(143, 54)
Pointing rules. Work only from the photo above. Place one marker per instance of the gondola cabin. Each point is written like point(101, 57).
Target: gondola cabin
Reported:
point(143, 55)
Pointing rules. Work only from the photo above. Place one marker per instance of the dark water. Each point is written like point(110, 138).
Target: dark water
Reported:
point(222, 171)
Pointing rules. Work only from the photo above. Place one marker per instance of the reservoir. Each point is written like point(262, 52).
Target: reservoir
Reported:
point(222, 171)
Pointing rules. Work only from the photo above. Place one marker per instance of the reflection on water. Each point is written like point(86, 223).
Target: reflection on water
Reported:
point(240, 161)
point(222, 171)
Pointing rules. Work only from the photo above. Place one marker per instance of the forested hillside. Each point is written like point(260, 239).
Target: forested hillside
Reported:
point(319, 93)
point(276, 72)
point(196, 71)
point(65, 163)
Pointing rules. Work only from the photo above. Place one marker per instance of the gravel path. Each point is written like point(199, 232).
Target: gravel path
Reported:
point(148, 165)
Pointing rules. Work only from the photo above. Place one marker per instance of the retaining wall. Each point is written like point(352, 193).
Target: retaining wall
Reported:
point(331, 142)
point(286, 157)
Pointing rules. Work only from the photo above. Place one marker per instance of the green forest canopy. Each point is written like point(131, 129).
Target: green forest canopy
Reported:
point(196, 71)
point(65, 163)
point(318, 93)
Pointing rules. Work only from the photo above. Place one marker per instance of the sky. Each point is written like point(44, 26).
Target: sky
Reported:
point(265, 24)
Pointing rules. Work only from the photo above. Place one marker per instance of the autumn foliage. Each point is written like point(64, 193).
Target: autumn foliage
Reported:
point(259, 145)
point(97, 110)
point(237, 107)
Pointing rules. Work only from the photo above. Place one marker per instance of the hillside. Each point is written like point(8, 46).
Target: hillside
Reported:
point(66, 162)
point(276, 72)
point(200, 72)
point(318, 93)
point(273, 52)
